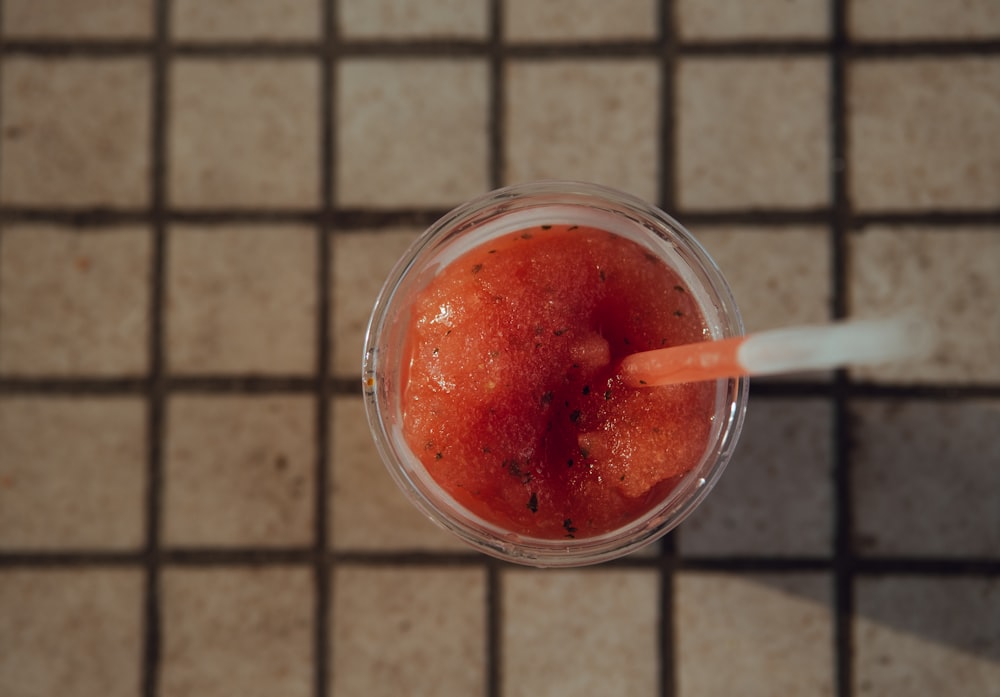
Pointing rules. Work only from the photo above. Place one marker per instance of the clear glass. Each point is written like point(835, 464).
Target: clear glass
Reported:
point(509, 210)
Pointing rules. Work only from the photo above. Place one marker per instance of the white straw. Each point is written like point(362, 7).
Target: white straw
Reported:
point(856, 342)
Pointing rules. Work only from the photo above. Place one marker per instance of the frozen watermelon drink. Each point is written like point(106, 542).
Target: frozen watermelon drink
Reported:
point(493, 378)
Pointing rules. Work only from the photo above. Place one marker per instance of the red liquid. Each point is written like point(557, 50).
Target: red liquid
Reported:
point(511, 399)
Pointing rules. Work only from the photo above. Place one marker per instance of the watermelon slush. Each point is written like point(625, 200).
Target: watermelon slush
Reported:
point(492, 361)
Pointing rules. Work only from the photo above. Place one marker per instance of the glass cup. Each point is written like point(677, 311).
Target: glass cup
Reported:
point(503, 212)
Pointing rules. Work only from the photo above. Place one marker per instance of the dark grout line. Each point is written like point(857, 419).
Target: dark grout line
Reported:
point(668, 53)
point(350, 220)
point(494, 616)
point(843, 560)
point(96, 386)
point(324, 564)
point(156, 385)
point(482, 48)
point(916, 566)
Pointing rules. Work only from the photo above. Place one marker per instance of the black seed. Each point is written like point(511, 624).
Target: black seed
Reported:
point(547, 398)
point(438, 455)
point(586, 390)
point(477, 268)
point(678, 313)
point(625, 339)
point(569, 462)
point(533, 502)
point(601, 274)
point(575, 416)
point(435, 351)
point(680, 289)
point(546, 227)
point(607, 395)
point(642, 382)
point(559, 332)
point(492, 251)
point(572, 227)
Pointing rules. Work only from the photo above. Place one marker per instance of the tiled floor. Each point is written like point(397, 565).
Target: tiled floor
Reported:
point(199, 202)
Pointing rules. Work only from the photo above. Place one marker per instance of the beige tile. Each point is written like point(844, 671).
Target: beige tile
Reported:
point(411, 132)
point(368, 511)
point(927, 636)
point(591, 120)
point(924, 19)
point(75, 132)
point(580, 632)
point(237, 631)
point(923, 133)
point(412, 19)
point(81, 19)
point(776, 496)
point(71, 632)
point(753, 132)
point(74, 302)
point(361, 262)
point(738, 19)
point(579, 20)
point(768, 634)
point(400, 631)
point(245, 20)
point(239, 471)
point(949, 278)
point(925, 480)
point(779, 276)
point(72, 473)
point(244, 133)
point(241, 299)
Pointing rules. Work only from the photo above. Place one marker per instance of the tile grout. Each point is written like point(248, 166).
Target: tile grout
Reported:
point(483, 48)
point(843, 579)
point(153, 633)
point(323, 565)
point(667, 677)
point(493, 673)
point(351, 220)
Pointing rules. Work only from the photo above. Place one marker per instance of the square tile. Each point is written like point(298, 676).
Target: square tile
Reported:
point(74, 302)
point(71, 632)
point(75, 132)
point(924, 19)
point(246, 20)
point(237, 631)
point(580, 20)
point(923, 133)
point(925, 479)
point(408, 631)
point(927, 636)
point(368, 511)
point(72, 473)
point(361, 263)
point(593, 120)
point(239, 471)
point(769, 634)
point(81, 19)
point(947, 277)
point(753, 132)
point(241, 299)
point(411, 132)
point(244, 133)
point(740, 20)
point(413, 19)
point(780, 277)
point(776, 496)
point(580, 632)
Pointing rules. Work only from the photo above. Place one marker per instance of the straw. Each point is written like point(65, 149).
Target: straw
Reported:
point(781, 351)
